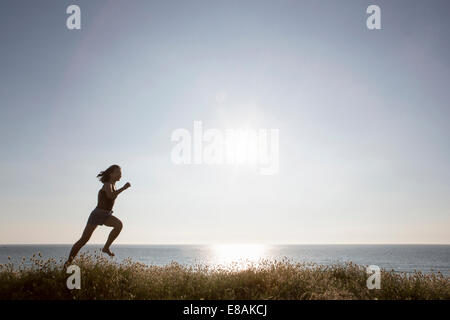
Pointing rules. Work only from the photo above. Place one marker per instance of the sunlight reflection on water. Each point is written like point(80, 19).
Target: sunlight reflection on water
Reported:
point(238, 256)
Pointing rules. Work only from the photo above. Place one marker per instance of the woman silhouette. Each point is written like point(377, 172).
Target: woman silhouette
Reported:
point(102, 214)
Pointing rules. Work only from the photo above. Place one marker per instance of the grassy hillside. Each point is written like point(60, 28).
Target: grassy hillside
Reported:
point(102, 278)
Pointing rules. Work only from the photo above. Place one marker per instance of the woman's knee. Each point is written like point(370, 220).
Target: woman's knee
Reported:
point(119, 225)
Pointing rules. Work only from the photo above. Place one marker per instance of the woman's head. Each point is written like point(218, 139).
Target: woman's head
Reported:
point(112, 174)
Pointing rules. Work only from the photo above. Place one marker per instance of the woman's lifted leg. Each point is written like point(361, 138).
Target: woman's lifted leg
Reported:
point(117, 227)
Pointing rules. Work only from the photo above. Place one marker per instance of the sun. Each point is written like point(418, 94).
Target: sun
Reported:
point(242, 145)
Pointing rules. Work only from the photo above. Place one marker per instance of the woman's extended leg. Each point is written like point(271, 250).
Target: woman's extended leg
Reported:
point(112, 221)
point(87, 233)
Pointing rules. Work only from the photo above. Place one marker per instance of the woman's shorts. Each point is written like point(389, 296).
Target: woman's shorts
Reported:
point(98, 216)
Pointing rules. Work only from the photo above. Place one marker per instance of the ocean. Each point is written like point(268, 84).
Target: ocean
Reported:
point(400, 258)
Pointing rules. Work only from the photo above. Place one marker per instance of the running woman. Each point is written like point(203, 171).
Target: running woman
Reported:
point(102, 214)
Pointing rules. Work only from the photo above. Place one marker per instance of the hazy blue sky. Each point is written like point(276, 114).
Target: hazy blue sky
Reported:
point(363, 118)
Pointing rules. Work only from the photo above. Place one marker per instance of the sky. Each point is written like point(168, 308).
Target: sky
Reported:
point(362, 117)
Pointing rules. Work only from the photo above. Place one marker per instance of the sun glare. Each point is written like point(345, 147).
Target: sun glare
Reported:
point(239, 255)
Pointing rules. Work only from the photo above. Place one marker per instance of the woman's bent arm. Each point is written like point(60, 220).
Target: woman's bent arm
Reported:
point(111, 193)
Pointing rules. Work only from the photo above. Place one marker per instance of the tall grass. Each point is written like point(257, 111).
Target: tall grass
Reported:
point(102, 278)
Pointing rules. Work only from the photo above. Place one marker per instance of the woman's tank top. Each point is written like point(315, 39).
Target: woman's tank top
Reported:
point(104, 202)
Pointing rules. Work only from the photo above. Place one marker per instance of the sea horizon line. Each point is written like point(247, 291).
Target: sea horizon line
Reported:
point(232, 243)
